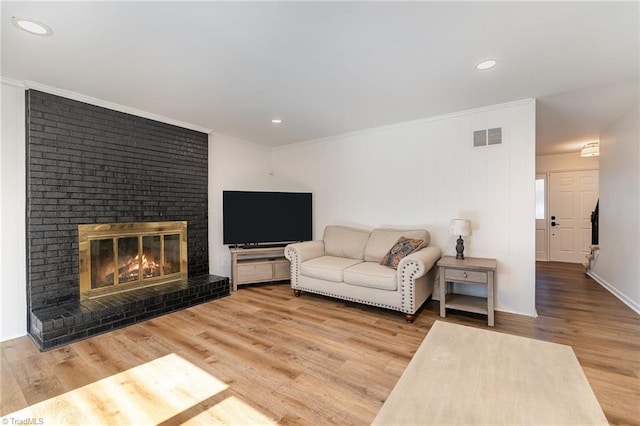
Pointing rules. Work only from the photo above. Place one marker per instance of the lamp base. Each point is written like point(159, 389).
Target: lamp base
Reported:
point(460, 248)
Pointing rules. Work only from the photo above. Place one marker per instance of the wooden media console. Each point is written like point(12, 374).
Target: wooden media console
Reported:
point(258, 265)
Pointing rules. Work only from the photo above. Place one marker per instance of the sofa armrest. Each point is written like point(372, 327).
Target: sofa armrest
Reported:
point(414, 285)
point(298, 253)
point(421, 261)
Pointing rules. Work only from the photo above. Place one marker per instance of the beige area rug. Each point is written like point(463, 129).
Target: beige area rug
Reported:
point(467, 376)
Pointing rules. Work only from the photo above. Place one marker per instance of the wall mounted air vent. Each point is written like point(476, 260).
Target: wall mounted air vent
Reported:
point(487, 137)
point(479, 138)
point(495, 136)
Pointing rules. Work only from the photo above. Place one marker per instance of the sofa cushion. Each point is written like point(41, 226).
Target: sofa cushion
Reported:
point(372, 275)
point(382, 239)
point(342, 241)
point(402, 248)
point(328, 268)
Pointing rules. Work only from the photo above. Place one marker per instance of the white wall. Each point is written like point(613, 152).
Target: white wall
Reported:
point(235, 164)
point(618, 264)
point(566, 163)
point(425, 173)
point(13, 287)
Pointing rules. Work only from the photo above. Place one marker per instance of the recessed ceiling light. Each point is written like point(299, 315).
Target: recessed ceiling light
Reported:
point(276, 121)
point(486, 64)
point(31, 26)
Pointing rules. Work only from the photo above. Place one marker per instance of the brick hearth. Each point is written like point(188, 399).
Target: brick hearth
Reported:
point(62, 324)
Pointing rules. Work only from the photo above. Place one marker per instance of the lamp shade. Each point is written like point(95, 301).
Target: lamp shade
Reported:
point(461, 227)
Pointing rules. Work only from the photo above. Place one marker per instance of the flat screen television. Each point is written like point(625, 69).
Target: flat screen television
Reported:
point(257, 217)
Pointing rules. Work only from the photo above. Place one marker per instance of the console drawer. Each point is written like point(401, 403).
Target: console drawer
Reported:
point(254, 272)
point(281, 270)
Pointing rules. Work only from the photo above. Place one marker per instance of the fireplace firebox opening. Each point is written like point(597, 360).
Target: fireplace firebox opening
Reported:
point(117, 257)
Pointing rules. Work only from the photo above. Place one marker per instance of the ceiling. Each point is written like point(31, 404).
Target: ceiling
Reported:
point(328, 68)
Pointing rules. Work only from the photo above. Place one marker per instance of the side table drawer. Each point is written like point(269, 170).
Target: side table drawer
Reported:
point(462, 276)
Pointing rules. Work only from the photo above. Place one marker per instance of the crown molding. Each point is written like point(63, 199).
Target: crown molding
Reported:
point(489, 108)
point(11, 82)
point(26, 84)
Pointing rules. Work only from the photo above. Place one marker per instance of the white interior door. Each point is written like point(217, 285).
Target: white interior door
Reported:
point(542, 242)
point(572, 198)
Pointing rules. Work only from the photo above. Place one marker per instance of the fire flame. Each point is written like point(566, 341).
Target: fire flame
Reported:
point(129, 270)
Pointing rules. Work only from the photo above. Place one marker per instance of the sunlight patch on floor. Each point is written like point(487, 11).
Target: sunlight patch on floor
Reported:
point(144, 395)
point(230, 411)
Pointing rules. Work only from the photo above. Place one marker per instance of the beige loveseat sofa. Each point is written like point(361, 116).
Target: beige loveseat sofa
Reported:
point(346, 264)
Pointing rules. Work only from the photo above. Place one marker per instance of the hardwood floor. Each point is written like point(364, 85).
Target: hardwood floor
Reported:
point(262, 355)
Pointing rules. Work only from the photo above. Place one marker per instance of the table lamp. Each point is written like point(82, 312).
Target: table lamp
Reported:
point(461, 228)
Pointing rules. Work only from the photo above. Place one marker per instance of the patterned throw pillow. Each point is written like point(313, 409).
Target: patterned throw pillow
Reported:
point(400, 249)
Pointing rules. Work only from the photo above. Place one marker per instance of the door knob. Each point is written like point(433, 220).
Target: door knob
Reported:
point(553, 223)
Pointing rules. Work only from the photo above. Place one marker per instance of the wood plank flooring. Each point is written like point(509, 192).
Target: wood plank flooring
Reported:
point(307, 360)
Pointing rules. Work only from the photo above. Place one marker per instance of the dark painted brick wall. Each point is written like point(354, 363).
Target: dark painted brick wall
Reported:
point(88, 164)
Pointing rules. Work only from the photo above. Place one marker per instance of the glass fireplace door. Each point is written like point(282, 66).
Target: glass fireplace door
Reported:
point(116, 257)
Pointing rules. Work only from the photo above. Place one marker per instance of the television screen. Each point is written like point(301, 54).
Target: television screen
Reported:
point(253, 217)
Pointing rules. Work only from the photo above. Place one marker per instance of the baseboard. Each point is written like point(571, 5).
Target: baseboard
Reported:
point(12, 336)
point(623, 297)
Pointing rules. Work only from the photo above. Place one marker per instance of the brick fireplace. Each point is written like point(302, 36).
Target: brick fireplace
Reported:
point(87, 166)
